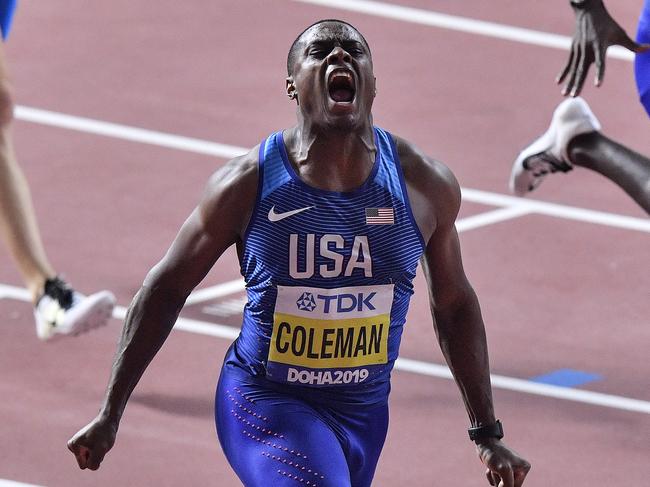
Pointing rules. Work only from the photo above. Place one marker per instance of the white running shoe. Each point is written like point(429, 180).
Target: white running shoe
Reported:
point(63, 311)
point(548, 154)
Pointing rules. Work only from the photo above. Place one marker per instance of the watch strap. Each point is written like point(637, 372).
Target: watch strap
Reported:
point(494, 430)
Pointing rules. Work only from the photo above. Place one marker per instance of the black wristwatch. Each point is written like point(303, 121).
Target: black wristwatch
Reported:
point(494, 430)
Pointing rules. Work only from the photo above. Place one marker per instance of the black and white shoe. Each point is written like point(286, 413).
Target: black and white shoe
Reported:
point(63, 311)
point(548, 154)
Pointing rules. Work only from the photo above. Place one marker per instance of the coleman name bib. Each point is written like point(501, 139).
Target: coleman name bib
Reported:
point(329, 337)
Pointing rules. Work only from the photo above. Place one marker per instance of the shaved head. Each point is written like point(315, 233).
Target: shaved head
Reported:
point(337, 27)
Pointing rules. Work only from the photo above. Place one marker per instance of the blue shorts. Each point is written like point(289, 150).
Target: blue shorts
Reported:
point(7, 8)
point(642, 61)
point(273, 437)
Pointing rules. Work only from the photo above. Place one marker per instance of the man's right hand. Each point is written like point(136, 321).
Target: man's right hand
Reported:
point(92, 442)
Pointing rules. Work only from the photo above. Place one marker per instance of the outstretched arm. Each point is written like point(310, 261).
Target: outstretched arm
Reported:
point(213, 226)
point(595, 31)
point(460, 331)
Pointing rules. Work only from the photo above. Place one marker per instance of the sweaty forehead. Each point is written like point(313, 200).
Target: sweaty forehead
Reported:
point(330, 31)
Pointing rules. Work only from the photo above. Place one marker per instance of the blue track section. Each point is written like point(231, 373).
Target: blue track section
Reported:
point(567, 378)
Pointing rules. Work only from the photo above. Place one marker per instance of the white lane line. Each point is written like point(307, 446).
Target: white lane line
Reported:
point(124, 132)
point(17, 293)
point(226, 308)
point(189, 325)
point(535, 388)
point(556, 210)
point(491, 217)
point(414, 366)
point(12, 483)
point(461, 24)
point(225, 151)
point(218, 291)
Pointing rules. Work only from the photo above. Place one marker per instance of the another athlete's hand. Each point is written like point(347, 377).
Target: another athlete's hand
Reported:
point(92, 442)
point(595, 31)
point(505, 468)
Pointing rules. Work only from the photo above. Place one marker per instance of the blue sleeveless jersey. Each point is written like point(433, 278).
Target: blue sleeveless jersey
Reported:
point(328, 276)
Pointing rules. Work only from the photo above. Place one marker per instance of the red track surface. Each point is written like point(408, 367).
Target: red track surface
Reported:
point(555, 293)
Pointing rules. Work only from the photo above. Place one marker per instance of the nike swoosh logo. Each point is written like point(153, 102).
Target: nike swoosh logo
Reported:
point(276, 217)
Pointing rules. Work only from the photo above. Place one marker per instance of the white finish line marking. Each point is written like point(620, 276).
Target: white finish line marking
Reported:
point(407, 365)
point(461, 24)
point(225, 151)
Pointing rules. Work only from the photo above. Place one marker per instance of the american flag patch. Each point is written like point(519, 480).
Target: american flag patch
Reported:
point(380, 216)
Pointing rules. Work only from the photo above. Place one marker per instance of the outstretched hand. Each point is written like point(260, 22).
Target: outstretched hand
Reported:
point(505, 468)
point(595, 31)
point(92, 442)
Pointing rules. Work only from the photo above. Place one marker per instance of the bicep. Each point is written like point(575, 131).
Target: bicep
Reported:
point(444, 270)
point(215, 224)
point(190, 257)
point(448, 285)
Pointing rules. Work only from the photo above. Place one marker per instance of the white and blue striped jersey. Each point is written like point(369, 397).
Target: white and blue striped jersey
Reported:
point(328, 275)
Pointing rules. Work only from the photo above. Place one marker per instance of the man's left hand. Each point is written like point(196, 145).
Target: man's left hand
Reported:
point(505, 468)
point(594, 33)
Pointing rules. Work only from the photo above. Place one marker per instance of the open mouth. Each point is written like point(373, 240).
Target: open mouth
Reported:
point(340, 86)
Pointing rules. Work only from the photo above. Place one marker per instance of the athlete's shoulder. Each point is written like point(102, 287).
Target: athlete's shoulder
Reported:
point(417, 165)
point(238, 171)
point(433, 190)
point(231, 191)
point(430, 183)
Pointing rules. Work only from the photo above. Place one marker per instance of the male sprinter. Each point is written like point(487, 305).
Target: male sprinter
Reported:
point(574, 136)
point(330, 219)
point(58, 309)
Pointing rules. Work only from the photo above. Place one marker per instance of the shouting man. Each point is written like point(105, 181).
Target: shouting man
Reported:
point(330, 218)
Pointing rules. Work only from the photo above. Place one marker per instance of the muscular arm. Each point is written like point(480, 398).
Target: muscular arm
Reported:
point(217, 223)
point(457, 317)
point(435, 198)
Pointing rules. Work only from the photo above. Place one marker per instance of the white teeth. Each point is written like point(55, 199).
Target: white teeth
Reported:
point(341, 79)
point(339, 73)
